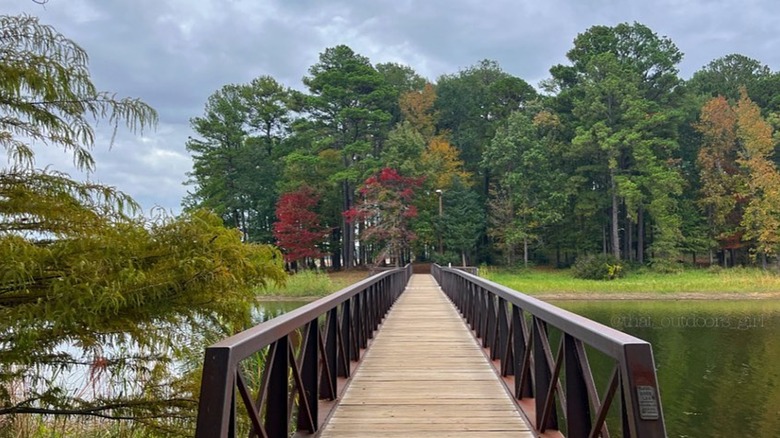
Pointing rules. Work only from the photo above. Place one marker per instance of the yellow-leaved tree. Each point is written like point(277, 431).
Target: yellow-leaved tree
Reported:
point(103, 313)
point(761, 218)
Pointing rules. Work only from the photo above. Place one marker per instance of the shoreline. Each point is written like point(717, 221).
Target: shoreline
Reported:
point(656, 296)
point(286, 298)
point(586, 296)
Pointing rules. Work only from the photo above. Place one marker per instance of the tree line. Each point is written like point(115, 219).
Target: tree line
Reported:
point(615, 153)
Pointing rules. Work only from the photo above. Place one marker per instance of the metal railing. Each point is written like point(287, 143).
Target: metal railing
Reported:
point(514, 331)
point(311, 353)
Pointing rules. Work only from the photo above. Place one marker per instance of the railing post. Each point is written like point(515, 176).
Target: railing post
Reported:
point(361, 320)
point(309, 368)
point(577, 404)
point(346, 341)
point(354, 347)
point(328, 378)
point(481, 312)
point(276, 413)
point(640, 392)
point(217, 395)
point(522, 355)
point(490, 324)
point(502, 332)
point(542, 377)
point(373, 311)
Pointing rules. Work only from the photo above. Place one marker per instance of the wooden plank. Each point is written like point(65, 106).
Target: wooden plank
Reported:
point(425, 375)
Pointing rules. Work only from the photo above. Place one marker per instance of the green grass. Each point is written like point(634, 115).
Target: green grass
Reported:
point(312, 284)
point(727, 281)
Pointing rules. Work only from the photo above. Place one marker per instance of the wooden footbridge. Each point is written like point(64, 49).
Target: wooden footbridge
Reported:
point(428, 355)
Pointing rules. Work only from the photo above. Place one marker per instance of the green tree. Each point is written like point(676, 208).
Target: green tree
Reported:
point(621, 91)
point(401, 79)
point(472, 102)
point(237, 160)
point(470, 105)
point(349, 110)
point(637, 48)
point(85, 286)
point(403, 149)
point(462, 222)
point(726, 75)
point(529, 196)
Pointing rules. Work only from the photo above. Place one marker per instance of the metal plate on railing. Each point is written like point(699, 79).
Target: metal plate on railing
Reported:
point(648, 402)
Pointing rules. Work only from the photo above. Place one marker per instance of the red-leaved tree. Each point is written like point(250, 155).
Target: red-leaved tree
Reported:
point(298, 230)
point(386, 209)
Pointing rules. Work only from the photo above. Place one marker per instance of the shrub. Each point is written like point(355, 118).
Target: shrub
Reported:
point(666, 266)
point(598, 267)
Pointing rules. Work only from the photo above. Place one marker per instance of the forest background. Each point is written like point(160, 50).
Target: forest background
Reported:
point(614, 154)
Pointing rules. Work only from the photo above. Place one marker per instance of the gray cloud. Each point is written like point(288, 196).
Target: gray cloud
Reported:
point(175, 53)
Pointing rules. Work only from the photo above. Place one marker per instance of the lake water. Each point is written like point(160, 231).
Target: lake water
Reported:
point(271, 309)
point(718, 361)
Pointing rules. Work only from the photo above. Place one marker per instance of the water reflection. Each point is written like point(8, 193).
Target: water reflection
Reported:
point(717, 361)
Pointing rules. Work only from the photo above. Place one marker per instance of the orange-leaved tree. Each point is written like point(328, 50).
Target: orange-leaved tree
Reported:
point(761, 219)
point(720, 175)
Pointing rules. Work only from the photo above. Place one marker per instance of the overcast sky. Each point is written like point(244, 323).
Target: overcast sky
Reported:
point(174, 53)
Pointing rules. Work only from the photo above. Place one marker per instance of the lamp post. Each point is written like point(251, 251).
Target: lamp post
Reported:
point(441, 244)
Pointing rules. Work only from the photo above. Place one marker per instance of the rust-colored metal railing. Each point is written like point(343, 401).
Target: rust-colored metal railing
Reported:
point(513, 329)
point(310, 354)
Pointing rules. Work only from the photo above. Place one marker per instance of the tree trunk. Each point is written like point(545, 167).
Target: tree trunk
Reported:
point(640, 236)
point(615, 241)
point(525, 252)
point(335, 256)
point(463, 258)
point(364, 248)
point(511, 246)
point(629, 254)
point(348, 236)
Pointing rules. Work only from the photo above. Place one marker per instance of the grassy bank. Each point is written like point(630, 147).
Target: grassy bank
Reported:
point(689, 283)
point(309, 284)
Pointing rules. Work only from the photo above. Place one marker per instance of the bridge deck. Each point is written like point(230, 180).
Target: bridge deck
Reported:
point(425, 375)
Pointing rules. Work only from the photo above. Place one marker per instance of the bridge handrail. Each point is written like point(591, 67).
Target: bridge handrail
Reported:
point(532, 370)
point(325, 355)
